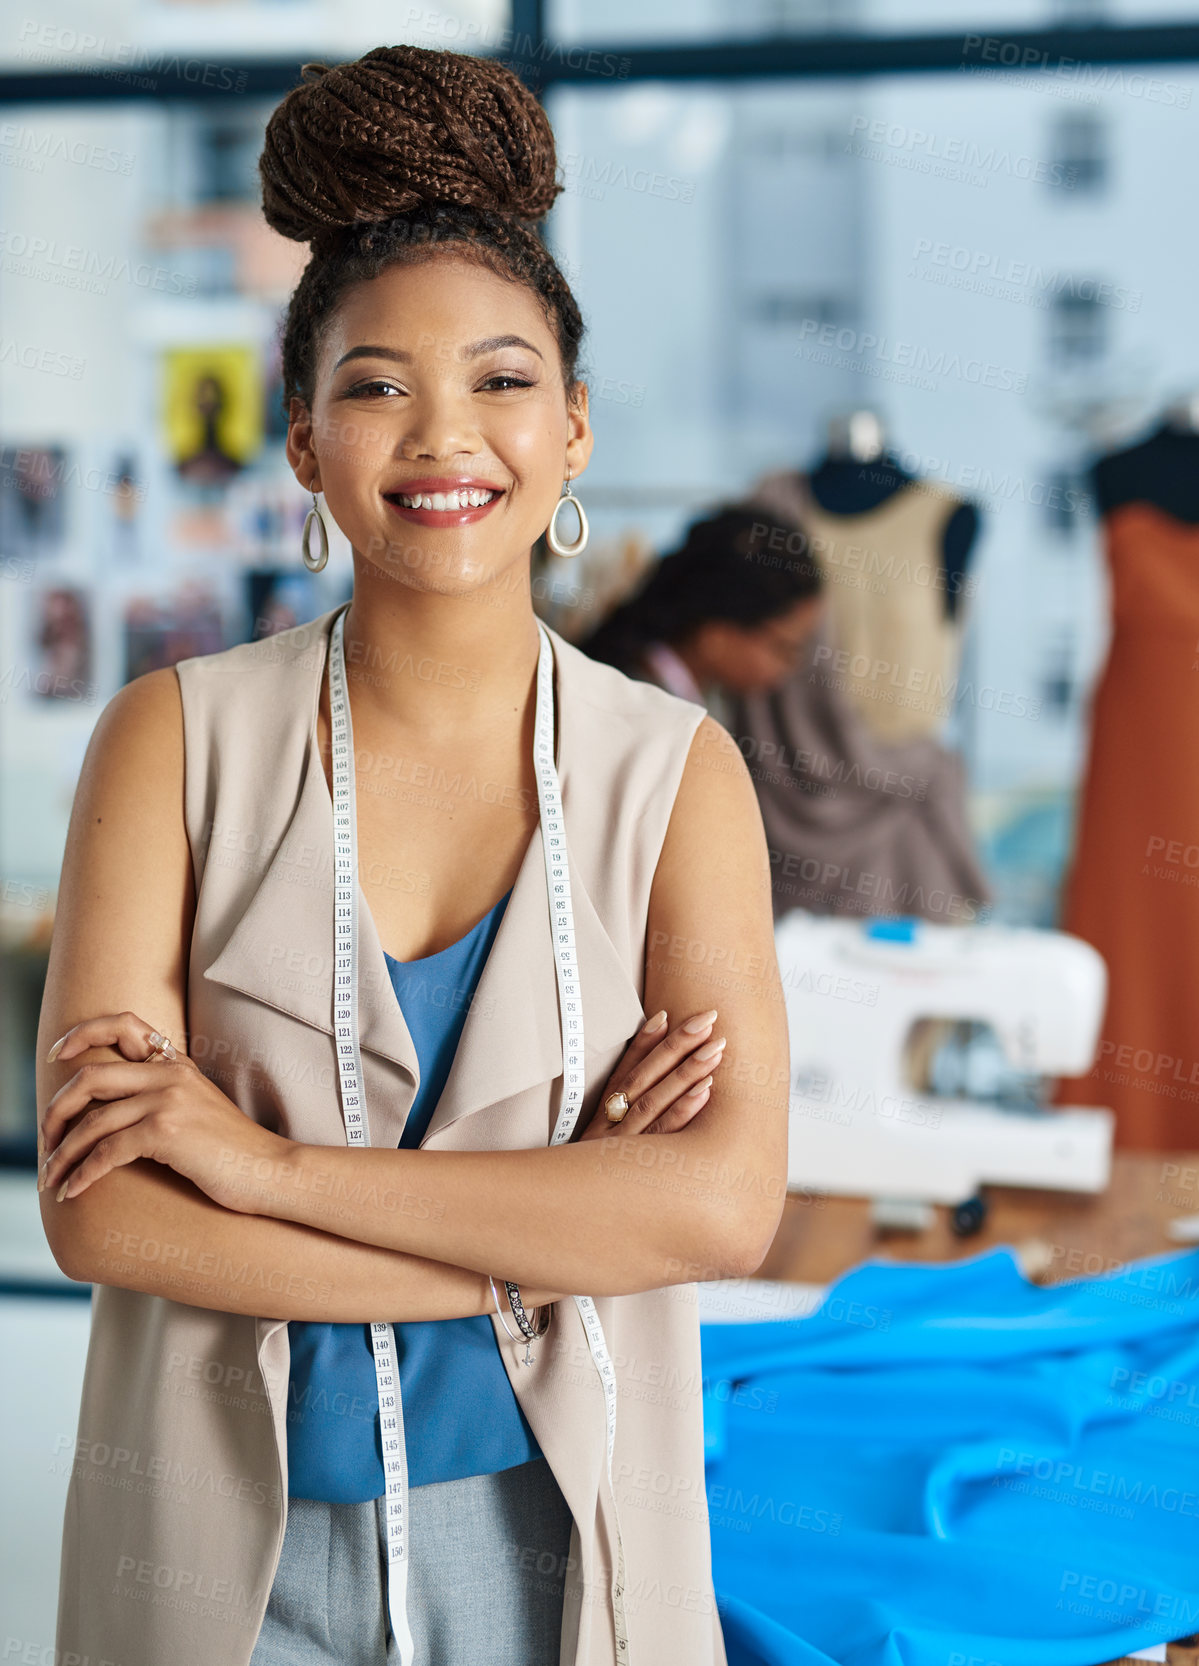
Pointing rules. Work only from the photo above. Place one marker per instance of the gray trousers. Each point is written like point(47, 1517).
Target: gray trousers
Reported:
point(487, 1560)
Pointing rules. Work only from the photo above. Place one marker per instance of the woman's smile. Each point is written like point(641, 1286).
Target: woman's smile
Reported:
point(438, 501)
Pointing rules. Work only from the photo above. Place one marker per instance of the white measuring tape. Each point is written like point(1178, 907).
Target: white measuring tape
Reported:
point(353, 1100)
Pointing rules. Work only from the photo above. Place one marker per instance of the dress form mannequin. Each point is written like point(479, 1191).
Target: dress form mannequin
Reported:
point(1162, 470)
point(860, 820)
point(894, 569)
point(858, 473)
point(1130, 887)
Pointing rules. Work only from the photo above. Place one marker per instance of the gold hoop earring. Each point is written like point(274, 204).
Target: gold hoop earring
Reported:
point(551, 532)
point(314, 563)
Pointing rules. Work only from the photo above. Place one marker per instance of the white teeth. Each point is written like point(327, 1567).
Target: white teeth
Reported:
point(473, 498)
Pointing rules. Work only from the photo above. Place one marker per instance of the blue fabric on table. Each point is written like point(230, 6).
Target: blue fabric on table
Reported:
point(951, 1466)
point(461, 1417)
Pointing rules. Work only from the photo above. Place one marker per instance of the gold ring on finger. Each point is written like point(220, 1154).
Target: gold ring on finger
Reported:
point(616, 1106)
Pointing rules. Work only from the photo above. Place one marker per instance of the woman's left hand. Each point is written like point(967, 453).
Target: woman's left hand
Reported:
point(157, 1107)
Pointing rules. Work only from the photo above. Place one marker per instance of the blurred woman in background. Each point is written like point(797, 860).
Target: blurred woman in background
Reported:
point(724, 614)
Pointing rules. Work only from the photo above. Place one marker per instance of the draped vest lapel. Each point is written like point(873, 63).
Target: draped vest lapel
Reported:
point(280, 951)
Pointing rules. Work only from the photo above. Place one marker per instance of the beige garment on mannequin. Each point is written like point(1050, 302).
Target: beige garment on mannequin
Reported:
point(896, 650)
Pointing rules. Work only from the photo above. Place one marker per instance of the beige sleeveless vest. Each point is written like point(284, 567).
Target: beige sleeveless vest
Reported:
point(176, 1506)
point(895, 651)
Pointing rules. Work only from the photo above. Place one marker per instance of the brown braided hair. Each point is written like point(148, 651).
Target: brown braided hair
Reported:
point(374, 163)
point(721, 572)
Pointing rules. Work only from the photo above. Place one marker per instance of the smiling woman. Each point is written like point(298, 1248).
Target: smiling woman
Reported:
point(386, 1255)
point(438, 500)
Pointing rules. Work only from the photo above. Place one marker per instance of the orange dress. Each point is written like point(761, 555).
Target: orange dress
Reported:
point(1133, 883)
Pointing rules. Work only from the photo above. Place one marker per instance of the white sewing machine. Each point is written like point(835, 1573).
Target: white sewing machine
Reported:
point(856, 992)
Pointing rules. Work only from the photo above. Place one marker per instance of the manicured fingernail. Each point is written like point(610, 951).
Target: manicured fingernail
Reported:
point(53, 1053)
point(62, 1190)
point(700, 1086)
point(711, 1050)
point(654, 1023)
point(700, 1022)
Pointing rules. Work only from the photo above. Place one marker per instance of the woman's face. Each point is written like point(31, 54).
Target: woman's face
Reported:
point(749, 659)
point(431, 377)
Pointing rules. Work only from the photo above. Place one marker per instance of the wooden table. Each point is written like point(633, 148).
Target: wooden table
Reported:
point(1058, 1235)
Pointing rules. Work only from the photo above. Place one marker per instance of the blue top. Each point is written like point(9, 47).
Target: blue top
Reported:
point(460, 1414)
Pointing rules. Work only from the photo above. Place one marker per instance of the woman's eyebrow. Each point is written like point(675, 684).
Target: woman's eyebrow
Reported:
point(487, 345)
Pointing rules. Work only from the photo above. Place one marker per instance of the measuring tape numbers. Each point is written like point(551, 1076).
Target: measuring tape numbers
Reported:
point(353, 1098)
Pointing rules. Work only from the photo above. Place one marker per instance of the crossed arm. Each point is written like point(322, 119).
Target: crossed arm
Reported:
point(589, 1217)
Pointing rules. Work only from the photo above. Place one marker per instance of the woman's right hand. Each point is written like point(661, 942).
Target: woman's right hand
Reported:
point(667, 1083)
point(666, 1077)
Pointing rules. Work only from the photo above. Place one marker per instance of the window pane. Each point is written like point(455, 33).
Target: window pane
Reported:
point(663, 21)
point(159, 42)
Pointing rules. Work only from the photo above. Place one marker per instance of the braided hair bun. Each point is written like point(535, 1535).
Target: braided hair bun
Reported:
point(401, 127)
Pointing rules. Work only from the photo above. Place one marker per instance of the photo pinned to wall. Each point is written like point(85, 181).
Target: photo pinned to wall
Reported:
point(279, 597)
point(161, 630)
point(201, 528)
point(266, 519)
point(32, 500)
point(60, 645)
point(212, 411)
point(126, 497)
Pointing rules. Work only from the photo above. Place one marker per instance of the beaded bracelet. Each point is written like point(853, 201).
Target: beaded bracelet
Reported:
point(528, 1334)
point(522, 1318)
point(495, 1296)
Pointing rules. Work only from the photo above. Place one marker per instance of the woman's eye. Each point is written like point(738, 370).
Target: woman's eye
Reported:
point(365, 388)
